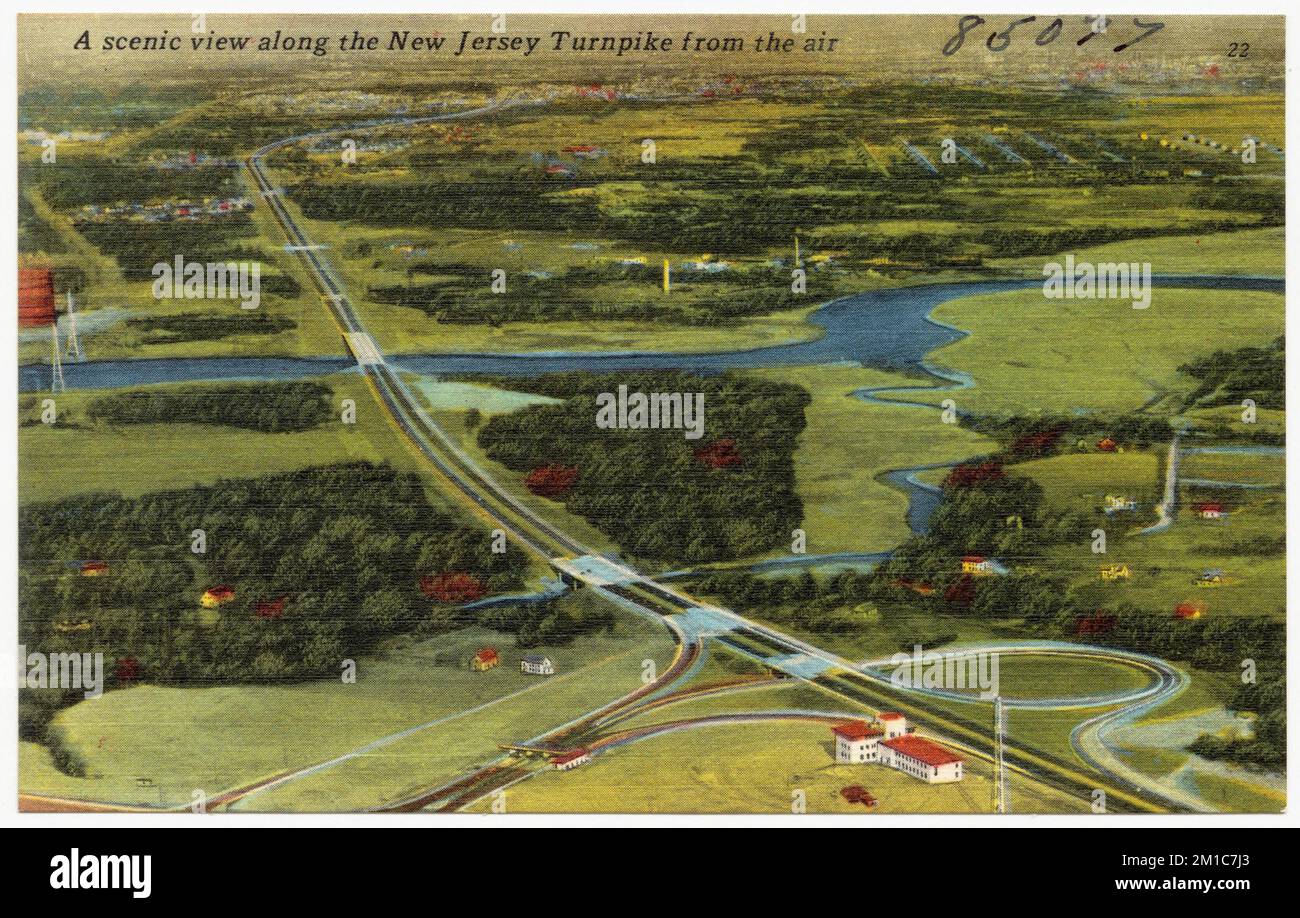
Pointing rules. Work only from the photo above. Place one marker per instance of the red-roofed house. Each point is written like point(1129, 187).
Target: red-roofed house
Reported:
point(922, 759)
point(485, 659)
point(571, 759)
point(217, 596)
point(1209, 510)
point(856, 742)
point(894, 724)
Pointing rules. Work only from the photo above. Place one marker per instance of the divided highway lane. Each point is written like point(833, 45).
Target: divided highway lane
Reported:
point(491, 499)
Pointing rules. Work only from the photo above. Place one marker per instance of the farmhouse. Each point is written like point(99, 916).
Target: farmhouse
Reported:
point(888, 742)
point(1212, 577)
point(1119, 504)
point(1116, 572)
point(217, 596)
point(536, 665)
point(1209, 510)
point(94, 568)
point(485, 659)
point(571, 759)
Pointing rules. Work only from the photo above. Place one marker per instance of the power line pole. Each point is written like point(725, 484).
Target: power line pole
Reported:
point(1001, 797)
point(74, 346)
point(56, 366)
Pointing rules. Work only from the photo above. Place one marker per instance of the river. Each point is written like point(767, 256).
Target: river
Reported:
point(888, 329)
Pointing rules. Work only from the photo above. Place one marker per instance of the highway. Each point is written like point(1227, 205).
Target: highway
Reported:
point(500, 508)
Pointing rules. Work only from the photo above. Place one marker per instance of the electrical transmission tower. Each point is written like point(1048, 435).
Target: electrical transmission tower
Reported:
point(56, 366)
point(74, 345)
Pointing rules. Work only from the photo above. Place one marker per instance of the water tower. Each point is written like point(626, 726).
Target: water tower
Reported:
point(35, 297)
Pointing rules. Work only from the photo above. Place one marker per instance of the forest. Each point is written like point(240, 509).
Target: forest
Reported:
point(321, 565)
point(461, 294)
point(262, 406)
point(189, 326)
point(657, 495)
point(1228, 377)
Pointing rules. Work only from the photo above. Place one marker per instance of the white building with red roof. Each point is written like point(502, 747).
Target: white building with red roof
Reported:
point(893, 723)
point(922, 759)
point(888, 742)
point(571, 759)
point(855, 741)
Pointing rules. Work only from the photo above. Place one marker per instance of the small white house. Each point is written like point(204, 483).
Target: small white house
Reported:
point(571, 759)
point(536, 665)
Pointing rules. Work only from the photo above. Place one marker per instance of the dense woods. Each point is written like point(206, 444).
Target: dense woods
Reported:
point(344, 547)
point(646, 489)
point(262, 406)
point(1228, 377)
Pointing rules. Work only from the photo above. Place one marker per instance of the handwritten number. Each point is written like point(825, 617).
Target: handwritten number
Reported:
point(964, 25)
point(1000, 41)
point(1005, 35)
point(1050, 34)
point(1151, 29)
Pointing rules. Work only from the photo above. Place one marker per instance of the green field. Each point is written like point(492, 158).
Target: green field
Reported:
point(1247, 251)
point(217, 738)
point(1167, 565)
point(765, 765)
point(1082, 481)
point(1029, 353)
point(847, 447)
point(1261, 470)
point(78, 454)
point(1028, 676)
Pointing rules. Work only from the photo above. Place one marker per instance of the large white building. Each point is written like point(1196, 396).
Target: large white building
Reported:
point(922, 759)
point(888, 743)
point(857, 742)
